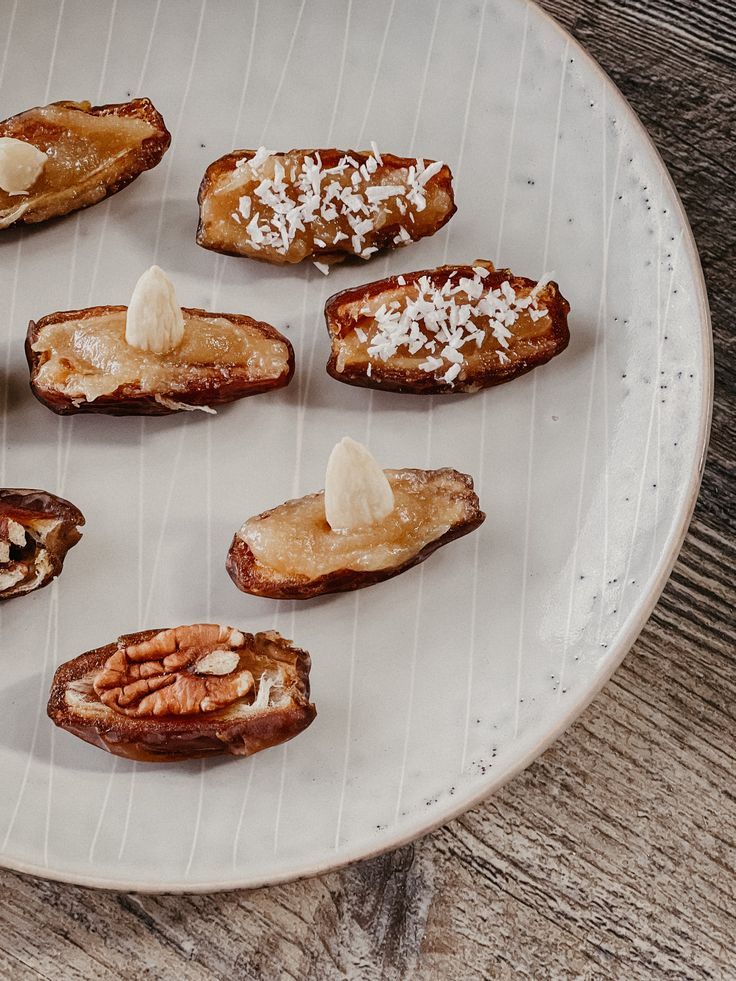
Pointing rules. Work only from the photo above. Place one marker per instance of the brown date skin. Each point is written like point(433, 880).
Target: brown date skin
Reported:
point(169, 739)
point(417, 382)
point(128, 399)
point(250, 576)
point(330, 158)
point(24, 506)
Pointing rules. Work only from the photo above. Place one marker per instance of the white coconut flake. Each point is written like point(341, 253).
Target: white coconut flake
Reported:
point(259, 157)
point(382, 191)
point(323, 268)
point(429, 172)
point(452, 372)
point(545, 279)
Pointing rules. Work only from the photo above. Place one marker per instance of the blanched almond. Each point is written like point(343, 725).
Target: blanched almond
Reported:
point(21, 164)
point(154, 320)
point(356, 489)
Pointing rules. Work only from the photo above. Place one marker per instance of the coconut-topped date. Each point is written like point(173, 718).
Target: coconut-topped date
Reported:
point(37, 529)
point(451, 329)
point(185, 692)
point(366, 526)
point(320, 204)
point(68, 155)
point(153, 357)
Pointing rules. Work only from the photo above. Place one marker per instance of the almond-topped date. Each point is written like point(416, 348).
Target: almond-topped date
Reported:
point(91, 152)
point(80, 361)
point(320, 204)
point(448, 330)
point(292, 552)
point(185, 693)
point(37, 529)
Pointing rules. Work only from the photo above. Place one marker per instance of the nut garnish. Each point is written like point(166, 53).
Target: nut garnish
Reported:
point(357, 491)
point(180, 671)
point(11, 533)
point(154, 321)
point(21, 164)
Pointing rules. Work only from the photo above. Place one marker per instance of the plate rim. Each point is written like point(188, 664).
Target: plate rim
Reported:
point(419, 827)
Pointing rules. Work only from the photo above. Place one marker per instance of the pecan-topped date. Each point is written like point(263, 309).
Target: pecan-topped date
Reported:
point(320, 204)
point(184, 693)
point(91, 152)
point(449, 330)
point(37, 529)
point(79, 361)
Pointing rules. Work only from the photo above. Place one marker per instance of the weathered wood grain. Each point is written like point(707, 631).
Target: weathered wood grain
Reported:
point(613, 855)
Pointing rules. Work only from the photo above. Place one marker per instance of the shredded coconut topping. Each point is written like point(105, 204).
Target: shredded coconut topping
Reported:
point(282, 205)
point(442, 320)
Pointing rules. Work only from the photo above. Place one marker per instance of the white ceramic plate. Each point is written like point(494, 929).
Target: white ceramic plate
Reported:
point(436, 687)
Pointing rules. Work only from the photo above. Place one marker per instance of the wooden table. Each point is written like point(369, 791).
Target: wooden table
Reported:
point(612, 856)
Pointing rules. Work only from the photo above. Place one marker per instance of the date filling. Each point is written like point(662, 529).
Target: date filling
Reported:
point(296, 540)
point(23, 556)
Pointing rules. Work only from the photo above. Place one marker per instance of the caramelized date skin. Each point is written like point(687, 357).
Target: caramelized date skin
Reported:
point(417, 382)
point(383, 239)
point(250, 576)
point(170, 739)
point(26, 507)
point(31, 128)
point(129, 399)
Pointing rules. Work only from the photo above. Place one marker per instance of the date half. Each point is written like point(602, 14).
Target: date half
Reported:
point(455, 329)
point(80, 361)
point(37, 529)
point(185, 693)
point(92, 152)
point(291, 552)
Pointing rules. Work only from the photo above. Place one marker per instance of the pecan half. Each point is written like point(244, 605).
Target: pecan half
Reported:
point(93, 152)
point(453, 329)
point(80, 361)
point(180, 671)
point(322, 204)
point(37, 529)
point(291, 552)
point(186, 692)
